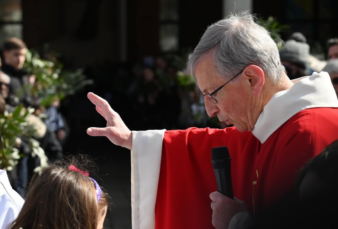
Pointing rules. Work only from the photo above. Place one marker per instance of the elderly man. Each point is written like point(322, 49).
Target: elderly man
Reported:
point(332, 48)
point(332, 68)
point(4, 85)
point(239, 73)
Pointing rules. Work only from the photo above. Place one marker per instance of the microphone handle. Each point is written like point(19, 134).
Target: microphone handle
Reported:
point(224, 184)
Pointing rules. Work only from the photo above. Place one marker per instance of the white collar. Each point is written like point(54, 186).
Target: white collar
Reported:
point(309, 92)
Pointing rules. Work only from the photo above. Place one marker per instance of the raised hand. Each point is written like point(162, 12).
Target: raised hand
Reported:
point(116, 131)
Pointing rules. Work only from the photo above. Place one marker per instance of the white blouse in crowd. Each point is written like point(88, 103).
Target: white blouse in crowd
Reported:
point(10, 201)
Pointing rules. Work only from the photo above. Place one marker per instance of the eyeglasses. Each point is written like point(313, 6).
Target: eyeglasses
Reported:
point(211, 95)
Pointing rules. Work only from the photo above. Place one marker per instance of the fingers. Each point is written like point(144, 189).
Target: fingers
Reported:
point(100, 112)
point(214, 196)
point(104, 106)
point(213, 205)
point(98, 132)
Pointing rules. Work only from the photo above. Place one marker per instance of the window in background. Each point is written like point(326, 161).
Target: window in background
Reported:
point(169, 26)
point(300, 9)
point(10, 19)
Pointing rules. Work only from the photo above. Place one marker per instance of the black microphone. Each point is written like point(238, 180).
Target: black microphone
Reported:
point(221, 162)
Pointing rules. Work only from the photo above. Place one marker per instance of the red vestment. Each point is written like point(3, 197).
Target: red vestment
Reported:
point(261, 173)
point(171, 182)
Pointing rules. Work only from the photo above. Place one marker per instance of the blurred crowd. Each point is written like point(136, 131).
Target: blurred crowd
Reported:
point(297, 60)
point(51, 128)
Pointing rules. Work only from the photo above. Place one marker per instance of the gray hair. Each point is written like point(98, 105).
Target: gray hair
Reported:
point(331, 66)
point(235, 43)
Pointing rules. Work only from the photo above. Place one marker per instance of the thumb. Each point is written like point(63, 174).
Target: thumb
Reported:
point(215, 196)
point(98, 132)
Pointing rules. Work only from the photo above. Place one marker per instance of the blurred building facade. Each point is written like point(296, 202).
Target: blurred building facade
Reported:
point(94, 31)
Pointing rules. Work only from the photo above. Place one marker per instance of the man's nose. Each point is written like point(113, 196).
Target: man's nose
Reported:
point(211, 108)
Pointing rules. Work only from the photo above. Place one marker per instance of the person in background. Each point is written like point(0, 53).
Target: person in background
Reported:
point(14, 54)
point(47, 139)
point(4, 85)
point(10, 201)
point(20, 175)
point(332, 68)
point(56, 123)
point(295, 55)
point(63, 196)
point(332, 48)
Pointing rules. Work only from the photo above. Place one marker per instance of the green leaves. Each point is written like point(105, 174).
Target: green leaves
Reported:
point(52, 81)
point(274, 27)
point(13, 126)
point(186, 81)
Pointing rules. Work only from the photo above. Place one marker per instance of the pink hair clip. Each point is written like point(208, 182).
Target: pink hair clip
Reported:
point(73, 168)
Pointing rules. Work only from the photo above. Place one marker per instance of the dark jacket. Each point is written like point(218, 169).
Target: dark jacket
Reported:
point(18, 86)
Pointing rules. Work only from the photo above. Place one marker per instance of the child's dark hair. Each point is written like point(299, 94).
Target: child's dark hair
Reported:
point(62, 198)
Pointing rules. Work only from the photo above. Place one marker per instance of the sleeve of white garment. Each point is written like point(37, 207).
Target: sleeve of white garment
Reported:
point(8, 212)
point(145, 165)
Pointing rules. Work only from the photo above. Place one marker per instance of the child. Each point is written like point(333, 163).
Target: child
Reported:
point(63, 196)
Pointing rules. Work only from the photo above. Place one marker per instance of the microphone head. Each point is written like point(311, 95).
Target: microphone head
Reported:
point(219, 155)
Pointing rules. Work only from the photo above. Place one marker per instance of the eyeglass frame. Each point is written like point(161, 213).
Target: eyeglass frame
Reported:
point(211, 95)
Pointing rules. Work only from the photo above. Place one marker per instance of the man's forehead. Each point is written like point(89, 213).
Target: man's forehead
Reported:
point(206, 74)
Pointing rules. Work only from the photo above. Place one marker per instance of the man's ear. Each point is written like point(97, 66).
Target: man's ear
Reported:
point(256, 77)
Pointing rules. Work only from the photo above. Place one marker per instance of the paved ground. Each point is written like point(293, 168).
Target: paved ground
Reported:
point(115, 174)
point(114, 171)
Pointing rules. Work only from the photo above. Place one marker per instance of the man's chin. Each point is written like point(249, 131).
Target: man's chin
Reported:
point(241, 128)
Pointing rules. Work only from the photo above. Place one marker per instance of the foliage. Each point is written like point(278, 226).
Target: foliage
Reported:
point(186, 81)
point(53, 82)
point(275, 28)
point(13, 126)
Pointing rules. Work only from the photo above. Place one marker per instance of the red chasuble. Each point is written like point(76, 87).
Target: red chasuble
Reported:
point(172, 174)
point(261, 173)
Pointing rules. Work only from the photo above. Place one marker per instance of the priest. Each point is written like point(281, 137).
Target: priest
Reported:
point(278, 125)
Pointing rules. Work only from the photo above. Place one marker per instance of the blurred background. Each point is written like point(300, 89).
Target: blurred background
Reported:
point(133, 54)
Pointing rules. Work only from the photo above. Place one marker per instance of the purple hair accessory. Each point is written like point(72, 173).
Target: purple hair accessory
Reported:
point(97, 190)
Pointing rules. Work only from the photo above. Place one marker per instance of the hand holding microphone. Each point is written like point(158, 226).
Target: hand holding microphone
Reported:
point(223, 205)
